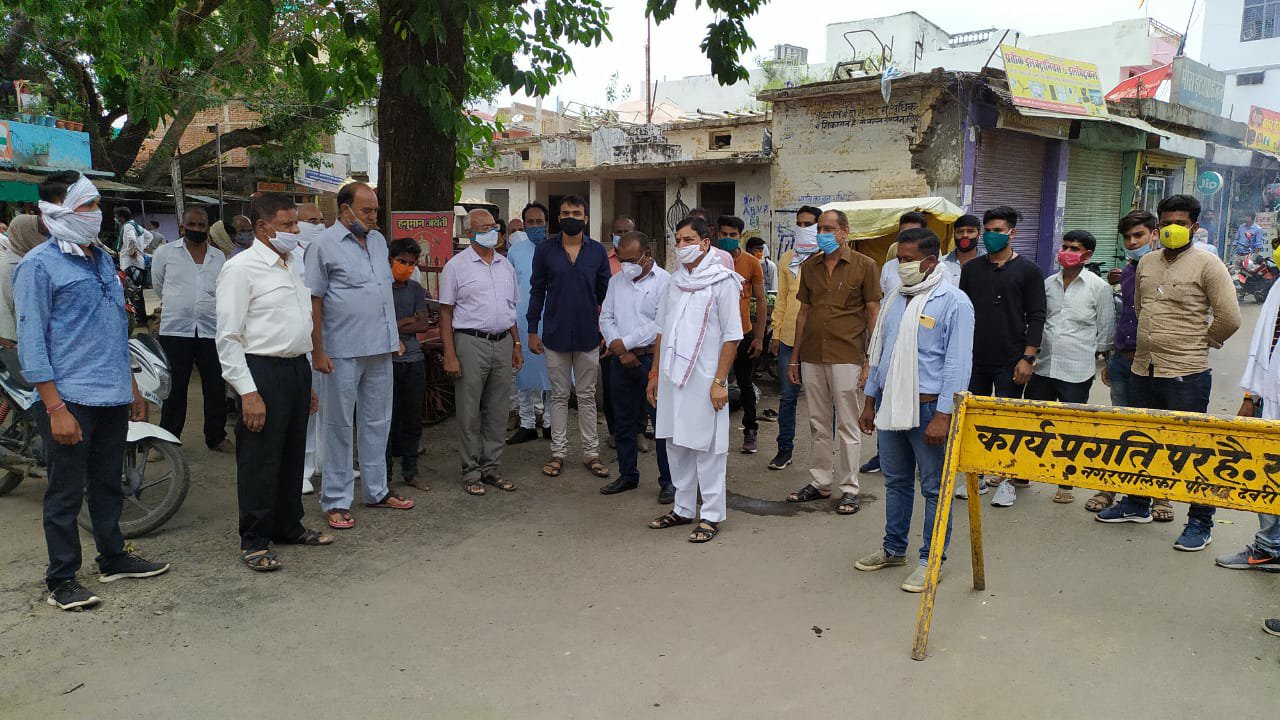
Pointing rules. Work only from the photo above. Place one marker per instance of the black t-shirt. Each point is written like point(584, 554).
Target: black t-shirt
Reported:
point(1009, 308)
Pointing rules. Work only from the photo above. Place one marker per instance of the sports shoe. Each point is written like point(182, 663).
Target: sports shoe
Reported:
point(666, 496)
point(523, 435)
point(1271, 626)
point(1118, 513)
point(1004, 495)
point(871, 466)
point(1250, 558)
point(1194, 538)
point(781, 460)
point(915, 583)
point(132, 566)
point(307, 487)
point(880, 560)
point(749, 445)
point(962, 488)
point(71, 595)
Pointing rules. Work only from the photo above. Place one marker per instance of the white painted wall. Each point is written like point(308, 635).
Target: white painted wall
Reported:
point(519, 191)
point(357, 139)
point(1223, 50)
point(901, 32)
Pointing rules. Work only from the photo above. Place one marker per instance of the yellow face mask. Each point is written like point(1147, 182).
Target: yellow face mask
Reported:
point(1275, 255)
point(1174, 236)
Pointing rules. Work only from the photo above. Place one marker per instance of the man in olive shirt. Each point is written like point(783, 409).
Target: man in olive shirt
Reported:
point(839, 296)
point(1175, 293)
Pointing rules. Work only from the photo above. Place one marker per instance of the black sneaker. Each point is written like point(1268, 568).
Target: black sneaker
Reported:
point(71, 595)
point(546, 433)
point(1271, 626)
point(781, 460)
point(132, 566)
point(871, 466)
point(749, 444)
point(667, 496)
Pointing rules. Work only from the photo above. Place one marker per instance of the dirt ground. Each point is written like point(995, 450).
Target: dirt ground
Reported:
point(557, 602)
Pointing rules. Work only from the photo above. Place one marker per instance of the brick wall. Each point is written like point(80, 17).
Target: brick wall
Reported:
point(231, 116)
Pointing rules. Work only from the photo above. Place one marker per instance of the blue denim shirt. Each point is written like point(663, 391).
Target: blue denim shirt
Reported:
point(944, 345)
point(72, 327)
point(566, 296)
point(355, 283)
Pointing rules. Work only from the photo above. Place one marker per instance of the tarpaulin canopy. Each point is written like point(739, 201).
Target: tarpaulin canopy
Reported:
point(1144, 85)
point(874, 223)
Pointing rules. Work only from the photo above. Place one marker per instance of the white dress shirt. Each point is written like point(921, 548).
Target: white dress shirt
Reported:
point(630, 310)
point(186, 289)
point(1080, 322)
point(264, 308)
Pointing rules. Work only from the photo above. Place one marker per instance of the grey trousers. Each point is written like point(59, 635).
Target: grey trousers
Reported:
point(483, 399)
point(578, 372)
point(357, 401)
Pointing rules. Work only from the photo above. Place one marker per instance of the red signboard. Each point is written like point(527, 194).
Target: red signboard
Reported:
point(433, 231)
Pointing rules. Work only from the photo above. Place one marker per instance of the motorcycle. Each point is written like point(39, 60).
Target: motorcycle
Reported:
point(1257, 274)
point(156, 477)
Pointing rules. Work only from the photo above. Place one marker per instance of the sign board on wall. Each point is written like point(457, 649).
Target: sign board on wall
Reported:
point(1264, 130)
point(6, 144)
point(1048, 82)
point(433, 231)
point(328, 173)
point(1209, 182)
point(1197, 86)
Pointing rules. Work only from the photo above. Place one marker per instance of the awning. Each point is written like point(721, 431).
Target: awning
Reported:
point(1143, 85)
point(874, 218)
point(203, 199)
point(1134, 123)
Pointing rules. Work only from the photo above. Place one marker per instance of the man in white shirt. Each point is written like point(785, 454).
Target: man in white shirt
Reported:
point(157, 237)
point(1080, 326)
point(264, 334)
point(629, 325)
point(184, 274)
point(132, 242)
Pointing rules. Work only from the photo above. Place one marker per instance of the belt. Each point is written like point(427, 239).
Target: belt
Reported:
point(927, 398)
point(1126, 354)
point(647, 350)
point(492, 337)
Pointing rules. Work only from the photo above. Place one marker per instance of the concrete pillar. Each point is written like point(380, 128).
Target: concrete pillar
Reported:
point(1053, 203)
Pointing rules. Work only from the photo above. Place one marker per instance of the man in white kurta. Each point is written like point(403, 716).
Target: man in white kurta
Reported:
point(699, 316)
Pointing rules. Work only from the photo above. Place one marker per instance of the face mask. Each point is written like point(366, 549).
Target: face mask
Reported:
point(1070, 258)
point(727, 244)
point(536, 234)
point(485, 239)
point(401, 272)
point(196, 236)
point(80, 228)
point(309, 231)
point(244, 239)
point(631, 270)
point(356, 227)
point(572, 227)
point(687, 254)
point(966, 244)
point(827, 243)
point(909, 273)
point(1275, 254)
point(1174, 236)
point(616, 239)
point(806, 240)
point(1137, 253)
point(285, 242)
point(994, 241)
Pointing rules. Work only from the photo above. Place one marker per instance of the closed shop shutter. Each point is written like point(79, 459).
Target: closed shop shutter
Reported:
point(1010, 171)
point(1093, 199)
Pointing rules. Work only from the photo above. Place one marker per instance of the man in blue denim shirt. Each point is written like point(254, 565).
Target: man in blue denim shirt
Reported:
point(73, 339)
point(921, 356)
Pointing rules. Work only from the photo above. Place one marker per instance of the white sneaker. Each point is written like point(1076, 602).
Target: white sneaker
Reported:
point(1004, 495)
point(307, 488)
point(915, 583)
point(962, 488)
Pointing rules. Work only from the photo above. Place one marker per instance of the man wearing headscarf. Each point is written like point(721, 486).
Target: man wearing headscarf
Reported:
point(77, 356)
point(219, 238)
point(24, 236)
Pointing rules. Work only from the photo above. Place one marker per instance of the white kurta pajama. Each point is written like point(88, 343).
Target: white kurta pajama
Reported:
point(698, 314)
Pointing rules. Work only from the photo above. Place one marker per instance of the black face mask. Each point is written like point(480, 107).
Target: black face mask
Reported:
point(196, 236)
point(572, 226)
point(966, 244)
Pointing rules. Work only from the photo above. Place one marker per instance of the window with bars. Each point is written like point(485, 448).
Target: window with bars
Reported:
point(1260, 21)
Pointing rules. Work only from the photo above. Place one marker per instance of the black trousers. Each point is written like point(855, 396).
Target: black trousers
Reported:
point(606, 393)
point(744, 367)
point(995, 381)
point(1040, 387)
point(409, 384)
point(184, 354)
point(93, 466)
point(269, 462)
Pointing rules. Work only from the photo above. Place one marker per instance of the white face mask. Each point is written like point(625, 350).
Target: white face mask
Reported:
point(910, 274)
point(309, 231)
point(631, 270)
point(81, 227)
point(285, 242)
point(806, 242)
point(616, 239)
point(686, 254)
point(486, 239)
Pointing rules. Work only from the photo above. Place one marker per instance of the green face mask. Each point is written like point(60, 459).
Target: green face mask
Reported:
point(727, 244)
point(994, 242)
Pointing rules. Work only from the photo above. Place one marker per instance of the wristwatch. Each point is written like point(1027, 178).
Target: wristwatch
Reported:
point(722, 383)
point(1030, 359)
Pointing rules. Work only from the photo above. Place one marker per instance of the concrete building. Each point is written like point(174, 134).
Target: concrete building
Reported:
point(1242, 39)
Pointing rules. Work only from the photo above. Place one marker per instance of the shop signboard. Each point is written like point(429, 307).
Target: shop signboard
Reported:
point(1048, 82)
point(1197, 86)
point(1264, 130)
point(433, 231)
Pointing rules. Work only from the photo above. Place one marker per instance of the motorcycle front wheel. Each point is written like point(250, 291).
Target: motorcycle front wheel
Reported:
point(153, 488)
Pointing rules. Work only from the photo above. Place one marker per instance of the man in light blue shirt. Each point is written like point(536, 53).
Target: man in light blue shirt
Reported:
point(353, 338)
point(921, 356)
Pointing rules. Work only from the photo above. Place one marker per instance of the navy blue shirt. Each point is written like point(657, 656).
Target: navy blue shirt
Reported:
point(572, 293)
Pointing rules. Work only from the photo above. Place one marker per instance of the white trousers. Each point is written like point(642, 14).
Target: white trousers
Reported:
point(533, 402)
point(831, 387)
point(312, 462)
point(576, 372)
point(693, 471)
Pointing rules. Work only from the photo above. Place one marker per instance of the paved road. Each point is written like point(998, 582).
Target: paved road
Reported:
point(557, 602)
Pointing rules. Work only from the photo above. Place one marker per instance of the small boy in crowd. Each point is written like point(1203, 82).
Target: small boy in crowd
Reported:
point(409, 369)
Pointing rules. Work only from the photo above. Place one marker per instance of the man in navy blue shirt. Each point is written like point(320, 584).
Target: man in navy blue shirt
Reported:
point(73, 338)
point(570, 278)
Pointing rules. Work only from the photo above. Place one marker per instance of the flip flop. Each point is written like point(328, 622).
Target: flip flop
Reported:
point(340, 519)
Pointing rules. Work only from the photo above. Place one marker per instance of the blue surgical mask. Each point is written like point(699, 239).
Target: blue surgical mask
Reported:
point(616, 239)
point(1137, 253)
point(536, 233)
point(827, 243)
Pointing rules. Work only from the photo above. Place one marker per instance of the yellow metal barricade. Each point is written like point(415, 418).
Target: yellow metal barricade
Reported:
point(1229, 463)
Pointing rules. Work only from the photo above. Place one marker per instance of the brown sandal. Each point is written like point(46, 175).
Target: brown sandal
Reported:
point(669, 520)
point(806, 494)
point(1101, 501)
point(1162, 511)
point(704, 532)
point(1064, 496)
point(596, 467)
point(499, 482)
point(475, 487)
point(552, 467)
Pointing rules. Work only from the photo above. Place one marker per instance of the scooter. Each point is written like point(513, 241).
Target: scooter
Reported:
point(1257, 274)
point(156, 476)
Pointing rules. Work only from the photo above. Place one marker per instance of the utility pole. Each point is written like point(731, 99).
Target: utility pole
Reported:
point(648, 85)
point(216, 129)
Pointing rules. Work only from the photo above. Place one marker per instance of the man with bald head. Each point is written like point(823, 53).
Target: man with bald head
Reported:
point(353, 338)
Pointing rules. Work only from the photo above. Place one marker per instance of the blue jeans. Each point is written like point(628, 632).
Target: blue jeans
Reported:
point(1188, 393)
point(789, 395)
point(1268, 537)
point(901, 452)
point(627, 393)
point(1120, 368)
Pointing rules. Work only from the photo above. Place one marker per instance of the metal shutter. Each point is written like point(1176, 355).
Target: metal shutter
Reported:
point(1093, 199)
point(1010, 171)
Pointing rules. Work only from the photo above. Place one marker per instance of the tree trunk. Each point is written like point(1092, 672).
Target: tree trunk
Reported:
point(157, 168)
point(422, 154)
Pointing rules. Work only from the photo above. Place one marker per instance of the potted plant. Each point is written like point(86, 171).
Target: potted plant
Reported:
point(40, 154)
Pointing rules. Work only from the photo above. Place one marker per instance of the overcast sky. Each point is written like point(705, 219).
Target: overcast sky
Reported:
point(803, 22)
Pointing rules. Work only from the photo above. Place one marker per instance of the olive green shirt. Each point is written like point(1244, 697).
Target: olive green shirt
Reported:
point(835, 326)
